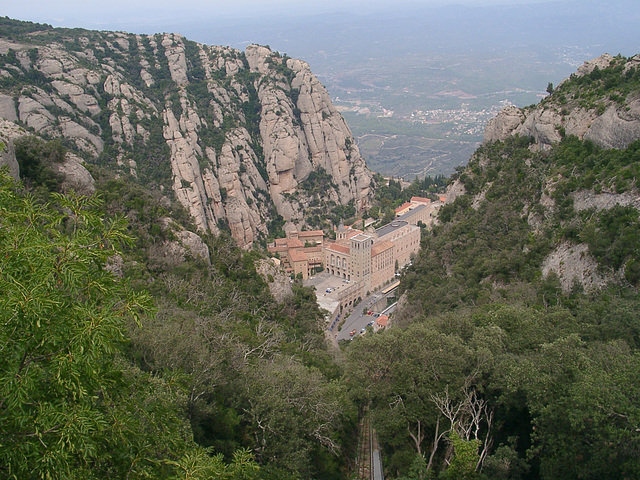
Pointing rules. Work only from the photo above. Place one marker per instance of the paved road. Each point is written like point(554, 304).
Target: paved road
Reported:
point(358, 320)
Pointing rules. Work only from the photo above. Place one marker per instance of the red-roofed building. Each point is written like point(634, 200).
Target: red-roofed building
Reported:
point(382, 322)
point(298, 258)
point(421, 200)
point(294, 243)
point(299, 262)
point(338, 248)
point(315, 237)
point(404, 208)
point(370, 259)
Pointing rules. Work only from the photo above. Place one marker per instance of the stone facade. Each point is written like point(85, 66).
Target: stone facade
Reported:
point(300, 252)
point(382, 263)
point(365, 261)
point(370, 259)
point(405, 238)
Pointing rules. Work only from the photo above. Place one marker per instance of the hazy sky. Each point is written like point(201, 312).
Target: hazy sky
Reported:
point(153, 14)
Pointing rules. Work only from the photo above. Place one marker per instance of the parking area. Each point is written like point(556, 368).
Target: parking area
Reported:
point(326, 285)
point(358, 314)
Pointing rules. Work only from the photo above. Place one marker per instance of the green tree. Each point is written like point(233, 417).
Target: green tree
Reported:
point(465, 458)
point(70, 405)
point(62, 314)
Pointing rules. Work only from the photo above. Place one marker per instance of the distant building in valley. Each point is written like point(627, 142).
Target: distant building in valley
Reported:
point(364, 260)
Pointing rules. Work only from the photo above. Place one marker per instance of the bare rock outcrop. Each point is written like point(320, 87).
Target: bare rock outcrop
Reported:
point(187, 243)
point(76, 176)
point(616, 128)
point(501, 126)
point(586, 199)
point(9, 131)
point(573, 263)
point(8, 108)
point(234, 134)
point(454, 191)
point(609, 125)
point(277, 279)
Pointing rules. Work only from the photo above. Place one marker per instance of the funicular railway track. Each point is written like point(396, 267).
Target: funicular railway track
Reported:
point(368, 464)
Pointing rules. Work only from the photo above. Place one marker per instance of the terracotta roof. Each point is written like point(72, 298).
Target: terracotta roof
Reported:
point(383, 321)
point(294, 243)
point(280, 242)
point(404, 206)
point(336, 247)
point(381, 247)
point(443, 199)
point(353, 233)
point(310, 233)
point(277, 249)
point(420, 200)
point(297, 256)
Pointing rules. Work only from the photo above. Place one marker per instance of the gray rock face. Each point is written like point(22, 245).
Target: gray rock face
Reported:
point(573, 263)
point(585, 199)
point(76, 176)
point(187, 243)
point(501, 126)
point(9, 131)
point(239, 132)
point(616, 127)
point(276, 278)
point(454, 191)
point(8, 108)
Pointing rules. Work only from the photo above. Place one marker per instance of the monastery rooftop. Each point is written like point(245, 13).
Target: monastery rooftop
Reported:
point(391, 227)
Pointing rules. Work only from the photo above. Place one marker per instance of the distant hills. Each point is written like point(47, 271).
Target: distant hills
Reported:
point(403, 59)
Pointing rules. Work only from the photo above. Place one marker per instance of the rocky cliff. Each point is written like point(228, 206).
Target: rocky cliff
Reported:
point(235, 136)
point(566, 168)
point(589, 105)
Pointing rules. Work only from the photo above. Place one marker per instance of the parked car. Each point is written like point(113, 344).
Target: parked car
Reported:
point(352, 332)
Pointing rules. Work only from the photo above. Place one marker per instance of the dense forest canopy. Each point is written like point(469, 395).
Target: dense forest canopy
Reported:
point(547, 371)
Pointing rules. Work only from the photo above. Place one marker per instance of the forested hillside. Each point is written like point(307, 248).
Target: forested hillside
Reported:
point(134, 348)
point(515, 353)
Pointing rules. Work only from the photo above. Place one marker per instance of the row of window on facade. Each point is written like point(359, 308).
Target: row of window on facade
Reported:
point(344, 262)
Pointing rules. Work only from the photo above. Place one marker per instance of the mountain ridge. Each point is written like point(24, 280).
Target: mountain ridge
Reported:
point(231, 134)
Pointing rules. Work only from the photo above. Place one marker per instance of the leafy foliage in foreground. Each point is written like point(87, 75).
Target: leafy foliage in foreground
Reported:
point(559, 388)
point(218, 370)
point(70, 405)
